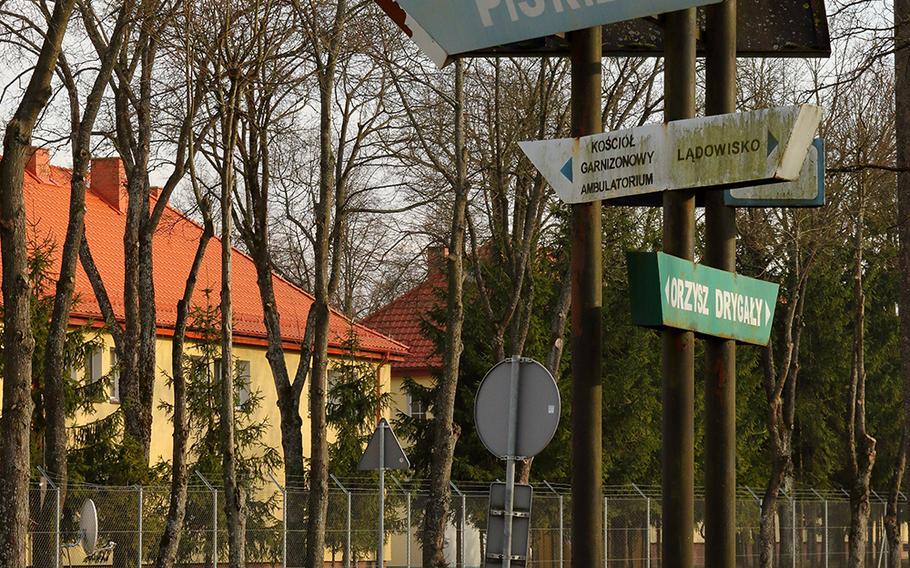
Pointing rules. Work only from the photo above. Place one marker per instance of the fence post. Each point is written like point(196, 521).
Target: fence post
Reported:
point(214, 518)
point(606, 540)
point(139, 548)
point(559, 496)
point(462, 523)
point(408, 526)
point(347, 542)
point(880, 529)
point(284, 521)
point(50, 483)
point(759, 503)
point(825, 525)
point(647, 525)
point(57, 529)
point(827, 552)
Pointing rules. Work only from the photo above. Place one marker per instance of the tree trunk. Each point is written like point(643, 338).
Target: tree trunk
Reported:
point(444, 432)
point(558, 322)
point(55, 437)
point(772, 512)
point(254, 229)
point(779, 379)
point(54, 395)
point(173, 528)
point(861, 444)
point(328, 185)
point(902, 131)
point(234, 498)
point(18, 341)
point(786, 511)
point(891, 520)
point(18, 344)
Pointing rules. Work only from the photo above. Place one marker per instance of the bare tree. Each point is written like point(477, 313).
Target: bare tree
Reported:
point(133, 129)
point(861, 449)
point(445, 434)
point(173, 528)
point(902, 136)
point(325, 27)
point(18, 341)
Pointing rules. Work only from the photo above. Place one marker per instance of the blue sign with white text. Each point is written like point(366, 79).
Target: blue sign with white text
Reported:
point(460, 26)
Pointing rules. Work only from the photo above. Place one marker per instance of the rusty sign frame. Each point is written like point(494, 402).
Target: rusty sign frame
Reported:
point(767, 28)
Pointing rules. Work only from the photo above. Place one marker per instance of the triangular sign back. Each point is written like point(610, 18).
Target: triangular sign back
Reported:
point(395, 457)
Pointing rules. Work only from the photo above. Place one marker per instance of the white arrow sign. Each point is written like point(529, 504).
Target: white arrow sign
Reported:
point(717, 151)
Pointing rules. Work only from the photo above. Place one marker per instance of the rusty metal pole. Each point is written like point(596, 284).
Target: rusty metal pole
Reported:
point(587, 301)
point(720, 354)
point(679, 346)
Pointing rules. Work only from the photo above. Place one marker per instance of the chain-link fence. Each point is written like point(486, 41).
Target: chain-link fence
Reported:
point(811, 527)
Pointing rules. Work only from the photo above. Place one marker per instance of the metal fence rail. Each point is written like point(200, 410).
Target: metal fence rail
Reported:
point(811, 526)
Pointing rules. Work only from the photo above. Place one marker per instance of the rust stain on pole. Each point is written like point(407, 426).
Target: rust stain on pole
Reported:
point(720, 354)
point(587, 303)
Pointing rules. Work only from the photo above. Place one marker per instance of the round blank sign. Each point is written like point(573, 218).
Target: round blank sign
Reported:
point(538, 409)
point(88, 526)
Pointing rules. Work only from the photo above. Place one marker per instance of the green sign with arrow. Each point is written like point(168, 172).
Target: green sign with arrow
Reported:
point(667, 291)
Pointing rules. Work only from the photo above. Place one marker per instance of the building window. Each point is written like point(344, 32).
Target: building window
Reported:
point(93, 371)
point(114, 376)
point(416, 408)
point(245, 392)
point(333, 376)
point(241, 371)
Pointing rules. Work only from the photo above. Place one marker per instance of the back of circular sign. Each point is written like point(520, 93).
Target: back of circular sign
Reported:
point(539, 407)
point(88, 526)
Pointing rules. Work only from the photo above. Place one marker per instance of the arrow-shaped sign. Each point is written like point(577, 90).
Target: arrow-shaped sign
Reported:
point(445, 28)
point(667, 291)
point(717, 151)
point(807, 191)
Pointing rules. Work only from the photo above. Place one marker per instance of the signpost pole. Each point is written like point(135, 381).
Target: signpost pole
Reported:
point(587, 300)
point(678, 346)
point(720, 354)
point(510, 461)
point(380, 550)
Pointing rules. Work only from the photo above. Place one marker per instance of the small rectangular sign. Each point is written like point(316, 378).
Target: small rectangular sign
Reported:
point(807, 191)
point(667, 291)
point(521, 526)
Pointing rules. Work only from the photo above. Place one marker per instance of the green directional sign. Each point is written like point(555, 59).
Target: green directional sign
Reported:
point(667, 291)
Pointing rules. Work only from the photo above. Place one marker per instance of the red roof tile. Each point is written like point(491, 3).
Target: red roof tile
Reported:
point(404, 319)
point(47, 203)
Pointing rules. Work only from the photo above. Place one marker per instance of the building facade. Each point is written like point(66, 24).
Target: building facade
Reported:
point(47, 191)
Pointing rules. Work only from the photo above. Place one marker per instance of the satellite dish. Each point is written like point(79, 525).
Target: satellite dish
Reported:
point(88, 526)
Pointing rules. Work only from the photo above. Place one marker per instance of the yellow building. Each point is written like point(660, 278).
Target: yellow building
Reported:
point(406, 319)
point(47, 201)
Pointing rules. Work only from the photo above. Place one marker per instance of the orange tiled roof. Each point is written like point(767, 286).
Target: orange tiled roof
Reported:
point(47, 205)
point(403, 319)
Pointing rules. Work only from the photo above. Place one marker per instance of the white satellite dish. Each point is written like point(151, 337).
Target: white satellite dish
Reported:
point(88, 526)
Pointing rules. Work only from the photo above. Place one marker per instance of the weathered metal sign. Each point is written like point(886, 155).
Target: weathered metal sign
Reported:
point(725, 150)
point(444, 28)
point(807, 191)
point(383, 450)
point(667, 291)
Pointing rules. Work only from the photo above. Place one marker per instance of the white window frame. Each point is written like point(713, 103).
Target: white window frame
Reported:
point(246, 391)
point(115, 376)
point(331, 378)
point(93, 367)
point(423, 413)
